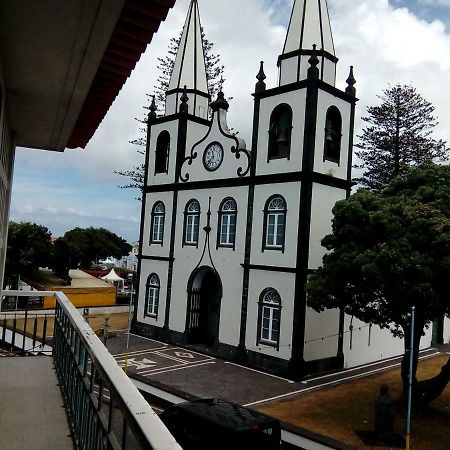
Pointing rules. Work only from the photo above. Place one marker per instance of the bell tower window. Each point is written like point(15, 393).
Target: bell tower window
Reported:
point(333, 135)
point(280, 132)
point(162, 152)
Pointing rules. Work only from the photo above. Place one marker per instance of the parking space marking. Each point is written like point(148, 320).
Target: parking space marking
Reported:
point(138, 352)
point(258, 371)
point(191, 366)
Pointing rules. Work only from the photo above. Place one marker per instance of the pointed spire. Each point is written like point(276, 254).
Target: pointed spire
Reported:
point(260, 85)
point(152, 113)
point(309, 24)
point(189, 68)
point(350, 90)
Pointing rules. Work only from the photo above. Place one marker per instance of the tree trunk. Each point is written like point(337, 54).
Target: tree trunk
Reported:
point(429, 390)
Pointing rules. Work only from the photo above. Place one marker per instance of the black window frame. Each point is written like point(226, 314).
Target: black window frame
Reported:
point(155, 214)
point(333, 135)
point(273, 149)
point(221, 213)
point(266, 213)
point(188, 214)
point(148, 286)
point(162, 151)
point(262, 303)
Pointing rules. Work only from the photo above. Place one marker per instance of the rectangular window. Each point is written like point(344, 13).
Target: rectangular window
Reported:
point(152, 300)
point(228, 229)
point(275, 230)
point(192, 224)
point(270, 324)
point(158, 229)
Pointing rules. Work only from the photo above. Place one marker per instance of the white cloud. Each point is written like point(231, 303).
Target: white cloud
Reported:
point(384, 43)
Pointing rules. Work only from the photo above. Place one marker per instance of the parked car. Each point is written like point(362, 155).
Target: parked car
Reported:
point(213, 424)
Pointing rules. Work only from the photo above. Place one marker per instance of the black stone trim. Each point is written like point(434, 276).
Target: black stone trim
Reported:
point(178, 116)
point(156, 258)
point(304, 85)
point(189, 91)
point(286, 177)
point(307, 52)
point(270, 268)
point(297, 363)
point(252, 358)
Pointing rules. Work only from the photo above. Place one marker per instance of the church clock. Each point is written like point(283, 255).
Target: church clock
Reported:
point(213, 156)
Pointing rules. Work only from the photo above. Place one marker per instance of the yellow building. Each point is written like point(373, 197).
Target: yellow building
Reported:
point(84, 291)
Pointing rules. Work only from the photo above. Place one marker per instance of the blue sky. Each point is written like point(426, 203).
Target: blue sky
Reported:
point(396, 41)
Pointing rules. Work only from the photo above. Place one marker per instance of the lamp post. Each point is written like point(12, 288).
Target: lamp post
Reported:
point(130, 315)
point(408, 425)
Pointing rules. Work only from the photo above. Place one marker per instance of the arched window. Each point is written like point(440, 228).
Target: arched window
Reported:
point(152, 295)
point(162, 152)
point(274, 223)
point(333, 135)
point(157, 224)
point(269, 315)
point(226, 232)
point(191, 223)
point(280, 132)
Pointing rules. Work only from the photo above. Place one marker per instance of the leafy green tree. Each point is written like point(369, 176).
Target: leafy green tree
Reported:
point(87, 245)
point(61, 258)
point(389, 251)
point(214, 73)
point(29, 247)
point(397, 136)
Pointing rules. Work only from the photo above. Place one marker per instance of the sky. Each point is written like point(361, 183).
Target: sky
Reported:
point(387, 41)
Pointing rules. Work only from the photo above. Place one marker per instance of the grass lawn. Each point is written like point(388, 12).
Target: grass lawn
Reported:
point(339, 411)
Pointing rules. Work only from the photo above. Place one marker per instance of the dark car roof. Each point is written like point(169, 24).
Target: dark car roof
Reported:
point(225, 414)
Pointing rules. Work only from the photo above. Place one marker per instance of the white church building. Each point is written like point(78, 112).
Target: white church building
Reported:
point(230, 231)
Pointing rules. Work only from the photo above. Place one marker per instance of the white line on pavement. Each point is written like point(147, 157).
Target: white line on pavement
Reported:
point(137, 352)
point(329, 383)
point(258, 371)
point(181, 368)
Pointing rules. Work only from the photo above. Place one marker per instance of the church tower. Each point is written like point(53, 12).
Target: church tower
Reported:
point(302, 145)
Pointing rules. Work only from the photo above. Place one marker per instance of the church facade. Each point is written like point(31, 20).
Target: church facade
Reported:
point(230, 231)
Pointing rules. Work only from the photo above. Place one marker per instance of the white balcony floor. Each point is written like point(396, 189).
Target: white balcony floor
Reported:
point(32, 416)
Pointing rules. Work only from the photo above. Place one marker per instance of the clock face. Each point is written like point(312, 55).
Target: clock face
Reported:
point(213, 156)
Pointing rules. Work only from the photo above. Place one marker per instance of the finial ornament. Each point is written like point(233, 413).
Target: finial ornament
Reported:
point(184, 108)
point(220, 103)
point(260, 85)
point(350, 89)
point(152, 113)
point(313, 70)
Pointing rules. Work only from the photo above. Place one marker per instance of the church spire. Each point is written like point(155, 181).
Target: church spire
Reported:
point(309, 25)
point(189, 69)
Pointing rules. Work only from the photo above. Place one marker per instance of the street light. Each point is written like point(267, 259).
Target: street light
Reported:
point(408, 425)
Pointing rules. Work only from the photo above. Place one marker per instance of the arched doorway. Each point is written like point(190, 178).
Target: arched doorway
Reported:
point(203, 311)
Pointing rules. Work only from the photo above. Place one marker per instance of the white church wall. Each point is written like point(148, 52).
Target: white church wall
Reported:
point(226, 261)
point(162, 178)
point(323, 200)
point(296, 100)
point(288, 71)
point(372, 346)
point(291, 193)
point(338, 170)
point(446, 330)
point(155, 249)
point(284, 283)
point(321, 334)
point(195, 132)
point(329, 71)
point(160, 268)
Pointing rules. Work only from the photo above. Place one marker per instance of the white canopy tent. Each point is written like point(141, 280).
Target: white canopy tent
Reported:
point(114, 279)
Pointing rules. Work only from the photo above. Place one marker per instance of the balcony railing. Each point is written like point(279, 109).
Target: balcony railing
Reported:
point(106, 411)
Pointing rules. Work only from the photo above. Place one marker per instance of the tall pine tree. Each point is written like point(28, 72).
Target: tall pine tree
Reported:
point(214, 75)
point(398, 136)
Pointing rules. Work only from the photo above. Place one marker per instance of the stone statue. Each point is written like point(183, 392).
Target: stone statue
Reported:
point(384, 416)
